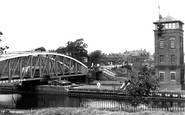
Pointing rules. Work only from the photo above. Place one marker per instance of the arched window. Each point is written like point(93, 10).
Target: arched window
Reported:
point(161, 75)
point(172, 75)
point(161, 58)
point(172, 58)
point(161, 43)
point(172, 43)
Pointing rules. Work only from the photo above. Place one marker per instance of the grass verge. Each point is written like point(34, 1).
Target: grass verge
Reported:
point(83, 111)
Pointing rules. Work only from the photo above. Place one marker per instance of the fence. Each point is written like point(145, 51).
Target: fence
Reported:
point(123, 105)
point(119, 94)
point(116, 100)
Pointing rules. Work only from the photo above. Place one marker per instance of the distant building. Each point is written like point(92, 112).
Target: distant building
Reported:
point(169, 56)
point(129, 56)
point(138, 57)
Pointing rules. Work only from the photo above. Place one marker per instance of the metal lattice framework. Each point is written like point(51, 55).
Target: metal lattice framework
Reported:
point(38, 65)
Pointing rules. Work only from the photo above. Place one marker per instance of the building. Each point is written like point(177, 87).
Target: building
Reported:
point(169, 57)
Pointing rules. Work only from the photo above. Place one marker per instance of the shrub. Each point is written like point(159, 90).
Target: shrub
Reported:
point(140, 86)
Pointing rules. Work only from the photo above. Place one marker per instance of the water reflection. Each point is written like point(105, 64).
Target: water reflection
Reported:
point(35, 101)
point(9, 100)
point(28, 101)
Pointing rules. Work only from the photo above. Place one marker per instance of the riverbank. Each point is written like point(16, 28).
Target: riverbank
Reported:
point(85, 111)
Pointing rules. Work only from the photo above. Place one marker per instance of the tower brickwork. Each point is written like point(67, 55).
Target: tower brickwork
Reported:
point(169, 56)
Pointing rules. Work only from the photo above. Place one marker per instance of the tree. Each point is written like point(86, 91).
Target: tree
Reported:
point(76, 49)
point(40, 49)
point(127, 66)
point(2, 49)
point(61, 50)
point(95, 56)
point(141, 85)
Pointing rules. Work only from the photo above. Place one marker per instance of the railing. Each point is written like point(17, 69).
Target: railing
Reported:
point(121, 93)
point(117, 100)
point(123, 105)
point(108, 72)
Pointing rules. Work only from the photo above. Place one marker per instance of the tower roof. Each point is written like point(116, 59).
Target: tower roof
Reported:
point(168, 19)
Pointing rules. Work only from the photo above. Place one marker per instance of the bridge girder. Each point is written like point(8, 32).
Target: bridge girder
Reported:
point(38, 65)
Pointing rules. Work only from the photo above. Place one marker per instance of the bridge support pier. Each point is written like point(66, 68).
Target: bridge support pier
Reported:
point(87, 79)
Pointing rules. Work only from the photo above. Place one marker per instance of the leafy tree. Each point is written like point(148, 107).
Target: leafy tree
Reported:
point(141, 85)
point(2, 49)
point(61, 50)
point(140, 59)
point(95, 57)
point(127, 66)
point(40, 49)
point(76, 49)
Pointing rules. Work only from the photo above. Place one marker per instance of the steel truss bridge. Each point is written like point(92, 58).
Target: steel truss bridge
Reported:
point(39, 66)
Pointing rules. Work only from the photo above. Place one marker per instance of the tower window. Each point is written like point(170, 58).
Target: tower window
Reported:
point(161, 43)
point(161, 76)
point(172, 58)
point(166, 26)
point(172, 43)
point(172, 75)
point(170, 25)
point(176, 25)
point(161, 58)
point(173, 25)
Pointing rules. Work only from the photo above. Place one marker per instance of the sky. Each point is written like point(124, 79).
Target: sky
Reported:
point(111, 26)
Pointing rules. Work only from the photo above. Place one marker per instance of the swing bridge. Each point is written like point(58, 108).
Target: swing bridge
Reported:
point(32, 66)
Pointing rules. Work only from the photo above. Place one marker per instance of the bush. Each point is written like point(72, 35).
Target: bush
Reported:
point(140, 86)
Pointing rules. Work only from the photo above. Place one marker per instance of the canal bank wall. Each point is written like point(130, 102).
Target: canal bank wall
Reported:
point(89, 91)
point(47, 89)
point(52, 89)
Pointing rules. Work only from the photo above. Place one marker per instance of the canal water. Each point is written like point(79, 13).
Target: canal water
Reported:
point(36, 101)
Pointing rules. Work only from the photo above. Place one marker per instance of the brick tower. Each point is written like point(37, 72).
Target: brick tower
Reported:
point(169, 56)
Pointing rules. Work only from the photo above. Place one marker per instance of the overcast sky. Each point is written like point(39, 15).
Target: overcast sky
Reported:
point(106, 25)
